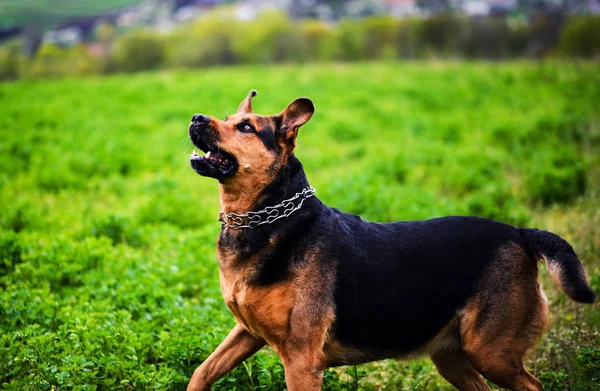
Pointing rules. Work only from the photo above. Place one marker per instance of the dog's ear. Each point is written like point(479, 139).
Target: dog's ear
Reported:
point(246, 105)
point(295, 115)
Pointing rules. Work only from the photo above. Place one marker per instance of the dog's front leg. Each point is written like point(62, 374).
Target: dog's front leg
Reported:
point(304, 369)
point(237, 346)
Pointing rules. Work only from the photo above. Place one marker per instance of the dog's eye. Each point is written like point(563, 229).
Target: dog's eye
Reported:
point(245, 127)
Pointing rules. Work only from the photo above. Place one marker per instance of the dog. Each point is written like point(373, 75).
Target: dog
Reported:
point(325, 288)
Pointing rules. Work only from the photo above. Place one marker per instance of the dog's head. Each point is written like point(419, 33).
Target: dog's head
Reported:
point(247, 149)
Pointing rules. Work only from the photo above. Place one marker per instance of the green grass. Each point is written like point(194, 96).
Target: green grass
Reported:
point(108, 274)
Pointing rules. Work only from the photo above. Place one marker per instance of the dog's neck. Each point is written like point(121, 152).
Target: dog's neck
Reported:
point(246, 197)
point(238, 199)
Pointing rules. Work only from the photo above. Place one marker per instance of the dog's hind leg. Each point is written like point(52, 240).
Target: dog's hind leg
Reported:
point(455, 367)
point(504, 320)
point(237, 346)
point(500, 360)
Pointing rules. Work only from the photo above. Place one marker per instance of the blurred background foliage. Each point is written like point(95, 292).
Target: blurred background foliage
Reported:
point(223, 35)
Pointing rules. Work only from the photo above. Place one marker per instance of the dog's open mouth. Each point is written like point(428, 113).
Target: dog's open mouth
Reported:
point(215, 162)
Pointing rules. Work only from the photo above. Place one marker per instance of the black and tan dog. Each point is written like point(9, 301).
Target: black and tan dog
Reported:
point(326, 288)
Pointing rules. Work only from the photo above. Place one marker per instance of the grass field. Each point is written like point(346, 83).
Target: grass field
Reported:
point(108, 274)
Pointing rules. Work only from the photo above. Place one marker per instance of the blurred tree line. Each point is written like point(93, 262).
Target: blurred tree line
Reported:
point(222, 39)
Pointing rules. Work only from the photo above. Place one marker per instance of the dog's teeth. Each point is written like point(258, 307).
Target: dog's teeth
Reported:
point(208, 154)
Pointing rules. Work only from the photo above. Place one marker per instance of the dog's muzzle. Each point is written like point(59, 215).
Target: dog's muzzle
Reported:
point(216, 162)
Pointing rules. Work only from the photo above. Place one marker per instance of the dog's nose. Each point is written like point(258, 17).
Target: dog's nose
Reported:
point(200, 119)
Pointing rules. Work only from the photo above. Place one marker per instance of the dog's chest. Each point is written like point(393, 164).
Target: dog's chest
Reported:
point(264, 311)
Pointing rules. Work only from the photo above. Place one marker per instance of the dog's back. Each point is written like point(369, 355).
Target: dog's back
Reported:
point(398, 284)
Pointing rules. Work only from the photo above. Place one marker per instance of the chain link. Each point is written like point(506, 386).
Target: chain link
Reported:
point(268, 215)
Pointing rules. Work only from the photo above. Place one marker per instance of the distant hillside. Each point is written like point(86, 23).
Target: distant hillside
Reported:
point(23, 12)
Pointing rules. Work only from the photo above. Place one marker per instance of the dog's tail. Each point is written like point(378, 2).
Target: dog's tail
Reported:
point(562, 262)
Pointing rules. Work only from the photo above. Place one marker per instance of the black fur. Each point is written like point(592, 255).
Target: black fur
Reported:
point(400, 283)
point(267, 136)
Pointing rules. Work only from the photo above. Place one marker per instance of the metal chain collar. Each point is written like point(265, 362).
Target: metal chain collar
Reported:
point(268, 215)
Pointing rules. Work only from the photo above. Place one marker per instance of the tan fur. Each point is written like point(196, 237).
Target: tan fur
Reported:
point(302, 353)
point(284, 315)
point(240, 193)
point(554, 270)
point(445, 340)
point(556, 273)
point(264, 312)
point(238, 346)
point(516, 314)
point(454, 365)
point(246, 105)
